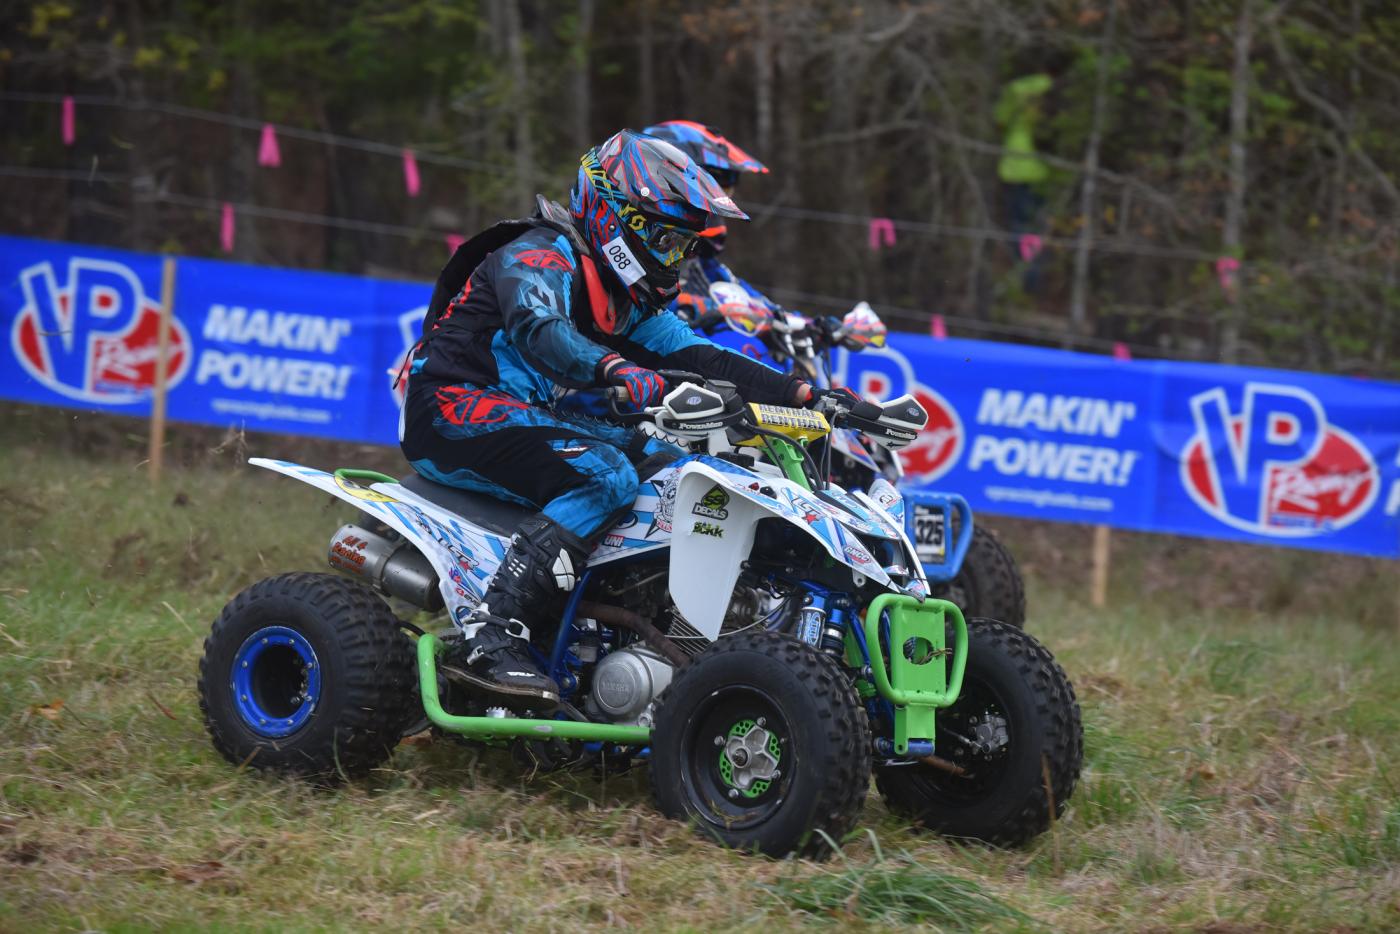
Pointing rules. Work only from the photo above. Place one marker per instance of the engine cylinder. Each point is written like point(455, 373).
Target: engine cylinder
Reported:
point(397, 568)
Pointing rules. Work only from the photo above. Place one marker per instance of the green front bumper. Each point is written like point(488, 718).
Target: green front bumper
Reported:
point(916, 686)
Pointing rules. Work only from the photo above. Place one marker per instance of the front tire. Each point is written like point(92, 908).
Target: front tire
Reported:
point(1016, 719)
point(307, 674)
point(989, 584)
point(761, 742)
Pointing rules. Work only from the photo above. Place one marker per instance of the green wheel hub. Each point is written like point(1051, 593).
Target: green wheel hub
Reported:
point(739, 760)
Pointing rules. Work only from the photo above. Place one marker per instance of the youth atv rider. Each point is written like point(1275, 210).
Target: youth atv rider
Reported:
point(527, 308)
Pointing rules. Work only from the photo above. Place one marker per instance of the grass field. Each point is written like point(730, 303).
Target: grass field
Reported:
point(1242, 773)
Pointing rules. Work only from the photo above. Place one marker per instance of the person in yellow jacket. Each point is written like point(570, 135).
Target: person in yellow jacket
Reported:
point(1021, 170)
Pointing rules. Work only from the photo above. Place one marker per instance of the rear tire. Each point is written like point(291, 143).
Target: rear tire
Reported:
point(989, 584)
point(802, 718)
point(1019, 707)
point(307, 674)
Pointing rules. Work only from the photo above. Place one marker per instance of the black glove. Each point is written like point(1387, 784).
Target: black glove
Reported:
point(841, 396)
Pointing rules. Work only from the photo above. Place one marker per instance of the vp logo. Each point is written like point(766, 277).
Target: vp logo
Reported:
point(885, 373)
point(1276, 467)
point(96, 336)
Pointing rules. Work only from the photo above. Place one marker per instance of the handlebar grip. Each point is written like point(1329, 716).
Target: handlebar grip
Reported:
point(868, 411)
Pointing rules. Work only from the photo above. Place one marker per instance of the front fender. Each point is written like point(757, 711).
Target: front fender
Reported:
point(714, 533)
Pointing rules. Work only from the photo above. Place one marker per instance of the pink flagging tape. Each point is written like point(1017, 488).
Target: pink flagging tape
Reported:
point(268, 152)
point(226, 228)
point(70, 121)
point(881, 232)
point(411, 182)
point(937, 328)
point(453, 241)
point(1121, 352)
point(1030, 246)
point(1227, 271)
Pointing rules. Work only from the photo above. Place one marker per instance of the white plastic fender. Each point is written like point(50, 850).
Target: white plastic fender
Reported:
point(705, 566)
point(463, 555)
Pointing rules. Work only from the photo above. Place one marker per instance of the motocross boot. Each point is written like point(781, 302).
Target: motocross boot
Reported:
point(495, 658)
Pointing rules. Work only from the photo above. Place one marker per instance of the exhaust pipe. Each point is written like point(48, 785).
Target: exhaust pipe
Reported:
point(397, 568)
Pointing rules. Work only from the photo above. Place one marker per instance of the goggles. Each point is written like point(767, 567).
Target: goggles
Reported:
point(670, 244)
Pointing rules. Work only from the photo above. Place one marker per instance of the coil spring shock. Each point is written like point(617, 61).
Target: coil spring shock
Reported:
point(834, 632)
point(821, 622)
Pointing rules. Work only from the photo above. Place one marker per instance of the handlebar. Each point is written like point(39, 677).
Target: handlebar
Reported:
point(618, 396)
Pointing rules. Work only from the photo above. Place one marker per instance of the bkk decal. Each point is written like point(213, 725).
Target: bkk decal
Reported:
point(96, 336)
point(1276, 467)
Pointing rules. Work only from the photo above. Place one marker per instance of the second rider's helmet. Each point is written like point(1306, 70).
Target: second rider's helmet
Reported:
point(641, 203)
point(716, 155)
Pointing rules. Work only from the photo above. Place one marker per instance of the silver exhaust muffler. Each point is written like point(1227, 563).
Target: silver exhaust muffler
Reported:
point(397, 568)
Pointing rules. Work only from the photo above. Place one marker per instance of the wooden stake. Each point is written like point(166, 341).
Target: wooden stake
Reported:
point(167, 309)
point(1098, 595)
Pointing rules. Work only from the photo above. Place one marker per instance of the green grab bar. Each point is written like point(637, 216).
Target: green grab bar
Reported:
point(497, 727)
point(922, 688)
point(356, 474)
point(924, 695)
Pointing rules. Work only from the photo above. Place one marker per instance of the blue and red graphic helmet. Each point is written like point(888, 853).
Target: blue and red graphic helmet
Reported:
point(724, 161)
point(641, 203)
point(707, 146)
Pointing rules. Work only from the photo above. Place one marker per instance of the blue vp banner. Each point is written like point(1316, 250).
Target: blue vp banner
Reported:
point(1268, 456)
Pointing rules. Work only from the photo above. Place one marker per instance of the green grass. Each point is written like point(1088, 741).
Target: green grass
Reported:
point(1242, 772)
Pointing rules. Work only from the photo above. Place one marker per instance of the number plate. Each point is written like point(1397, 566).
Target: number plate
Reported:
point(930, 534)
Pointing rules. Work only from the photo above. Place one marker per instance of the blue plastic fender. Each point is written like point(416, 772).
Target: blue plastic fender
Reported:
point(949, 504)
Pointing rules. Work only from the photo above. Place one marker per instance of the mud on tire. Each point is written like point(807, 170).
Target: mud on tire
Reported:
point(307, 674)
point(1019, 708)
point(785, 699)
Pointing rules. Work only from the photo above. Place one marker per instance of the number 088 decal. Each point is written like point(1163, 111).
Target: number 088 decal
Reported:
point(622, 260)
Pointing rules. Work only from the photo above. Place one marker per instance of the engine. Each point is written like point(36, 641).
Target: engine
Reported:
point(626, 682)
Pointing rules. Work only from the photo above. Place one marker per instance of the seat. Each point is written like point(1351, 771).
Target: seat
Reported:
point(480, 509)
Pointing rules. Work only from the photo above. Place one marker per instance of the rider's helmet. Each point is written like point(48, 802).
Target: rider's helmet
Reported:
point(717, 155)
point(641, 203)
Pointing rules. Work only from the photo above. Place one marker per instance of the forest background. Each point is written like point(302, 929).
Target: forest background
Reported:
point(1221, 174)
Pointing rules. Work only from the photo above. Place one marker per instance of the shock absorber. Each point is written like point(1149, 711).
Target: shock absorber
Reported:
point(834, 632)
point(811, 619)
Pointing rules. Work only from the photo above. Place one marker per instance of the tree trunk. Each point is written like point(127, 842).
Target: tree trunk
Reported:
point(524, 184)
point(763, 78)
point(1234, 204)
point(646, 53)
point(583, 87)
point(142, 136)
point(1078, 314)
point(243, 154)
point(788, 255)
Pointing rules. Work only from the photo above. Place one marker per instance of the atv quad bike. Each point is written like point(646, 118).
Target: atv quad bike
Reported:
point(764, 639)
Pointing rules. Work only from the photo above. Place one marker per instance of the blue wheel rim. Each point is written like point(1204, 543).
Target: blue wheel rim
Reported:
point(276, 681)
